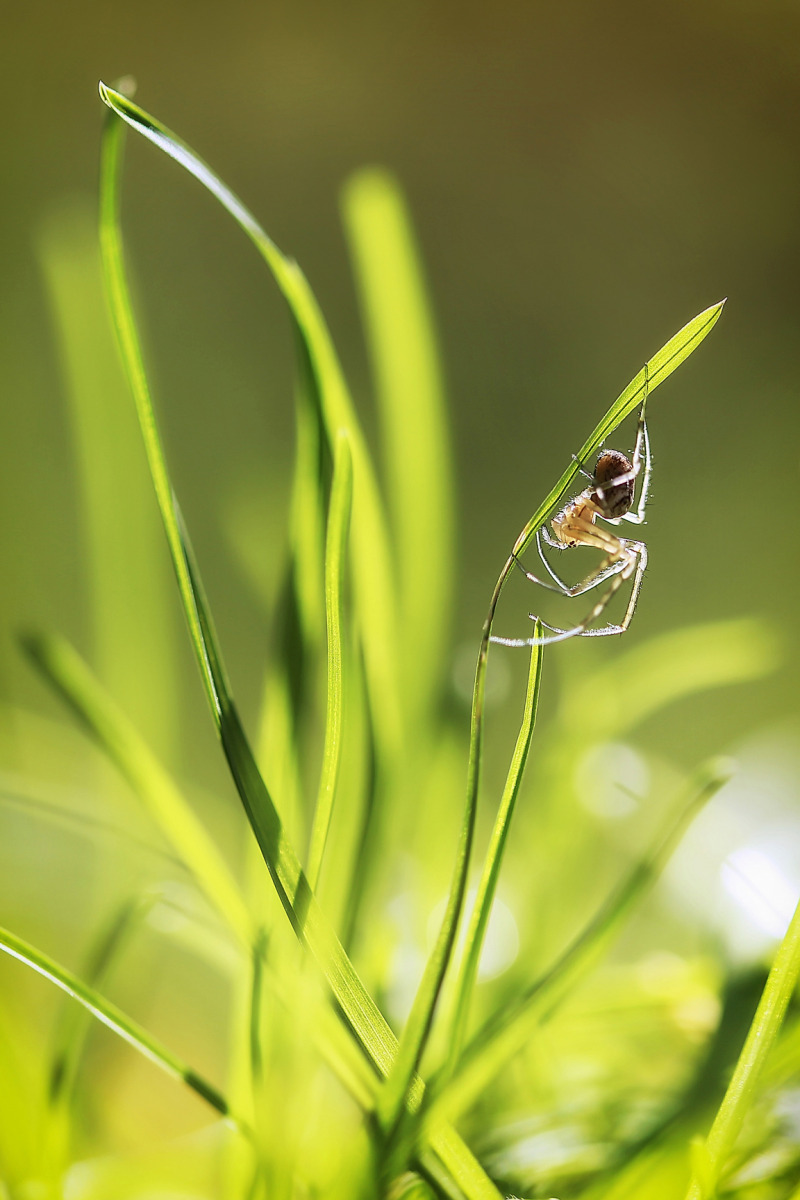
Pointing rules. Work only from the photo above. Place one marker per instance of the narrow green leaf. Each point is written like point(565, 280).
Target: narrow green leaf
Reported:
point(764, 1030)
point(479, 918)
point(509, 1027)
point(397, 315)
point(372, 573)
point(115, 1019)
point(297, 898)
point(336, 542)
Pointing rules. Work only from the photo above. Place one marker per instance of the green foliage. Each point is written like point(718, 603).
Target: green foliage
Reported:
point(357, 748)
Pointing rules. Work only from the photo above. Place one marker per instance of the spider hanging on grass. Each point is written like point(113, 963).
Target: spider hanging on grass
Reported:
point(610, 497)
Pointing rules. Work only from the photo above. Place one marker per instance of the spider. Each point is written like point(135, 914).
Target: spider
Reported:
point(609, 496)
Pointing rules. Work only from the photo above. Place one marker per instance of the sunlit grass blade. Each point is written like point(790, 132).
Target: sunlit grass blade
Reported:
point(335, 548)
point(149, 780)
point(372, 575)
point(357, 1006)
point(397, 316)
point(493, 1046)
point(668, 667)
point(479, 918)
point(298, 625)
point(710, 1157)
point(116, 1020)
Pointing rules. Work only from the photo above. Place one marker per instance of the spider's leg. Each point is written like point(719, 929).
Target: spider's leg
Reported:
point(636, 557)
point(556, 578)
point(642, 440)
point(551, 541)
point(535, 578)
point(582, 468)
point(609, 566)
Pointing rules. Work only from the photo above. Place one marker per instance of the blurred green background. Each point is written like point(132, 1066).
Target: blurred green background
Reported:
point(584, 179)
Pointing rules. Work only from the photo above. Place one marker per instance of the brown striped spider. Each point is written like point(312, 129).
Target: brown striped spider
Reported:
point(610, 496)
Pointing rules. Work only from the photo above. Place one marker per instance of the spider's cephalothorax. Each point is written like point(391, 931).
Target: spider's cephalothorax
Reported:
point(609, 497)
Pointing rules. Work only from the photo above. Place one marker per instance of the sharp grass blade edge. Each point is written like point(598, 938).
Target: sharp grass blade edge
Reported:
point(335, 551)
point(372, 571)
point(357, 1006)
point(116, 1020)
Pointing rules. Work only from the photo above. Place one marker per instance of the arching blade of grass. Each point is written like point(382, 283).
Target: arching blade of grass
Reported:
point(710, 1156)
point(336, 543)
point(359, 1010)
point(479, 918)
point(509, 1027)
point(372, 576)
point(397, 316)
point(663, 363)
point(115, 1019)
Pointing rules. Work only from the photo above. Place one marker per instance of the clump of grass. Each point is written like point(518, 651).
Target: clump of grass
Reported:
point(322, 1096)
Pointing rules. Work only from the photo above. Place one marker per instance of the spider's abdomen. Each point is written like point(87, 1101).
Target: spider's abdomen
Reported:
point(616, 498)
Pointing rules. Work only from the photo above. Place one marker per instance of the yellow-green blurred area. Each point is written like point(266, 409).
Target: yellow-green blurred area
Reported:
point(583, 179)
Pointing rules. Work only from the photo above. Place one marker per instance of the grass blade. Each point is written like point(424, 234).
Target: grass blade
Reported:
point(397, 315)
point(116, 1020)
point(510, 1026)
point(711, 1156)
point(356, 1005)
point(479, 918)
point(338, 525)
point(372, 573)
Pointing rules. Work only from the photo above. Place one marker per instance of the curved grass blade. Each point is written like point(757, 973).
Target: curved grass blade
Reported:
point(336, 543)
point(479, 918)
point(372, 574)
point(663, 363)
point(356, 1005)
point(396, 313)
point(711, 1155)
point(510, 1026)
point(116, 1020)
